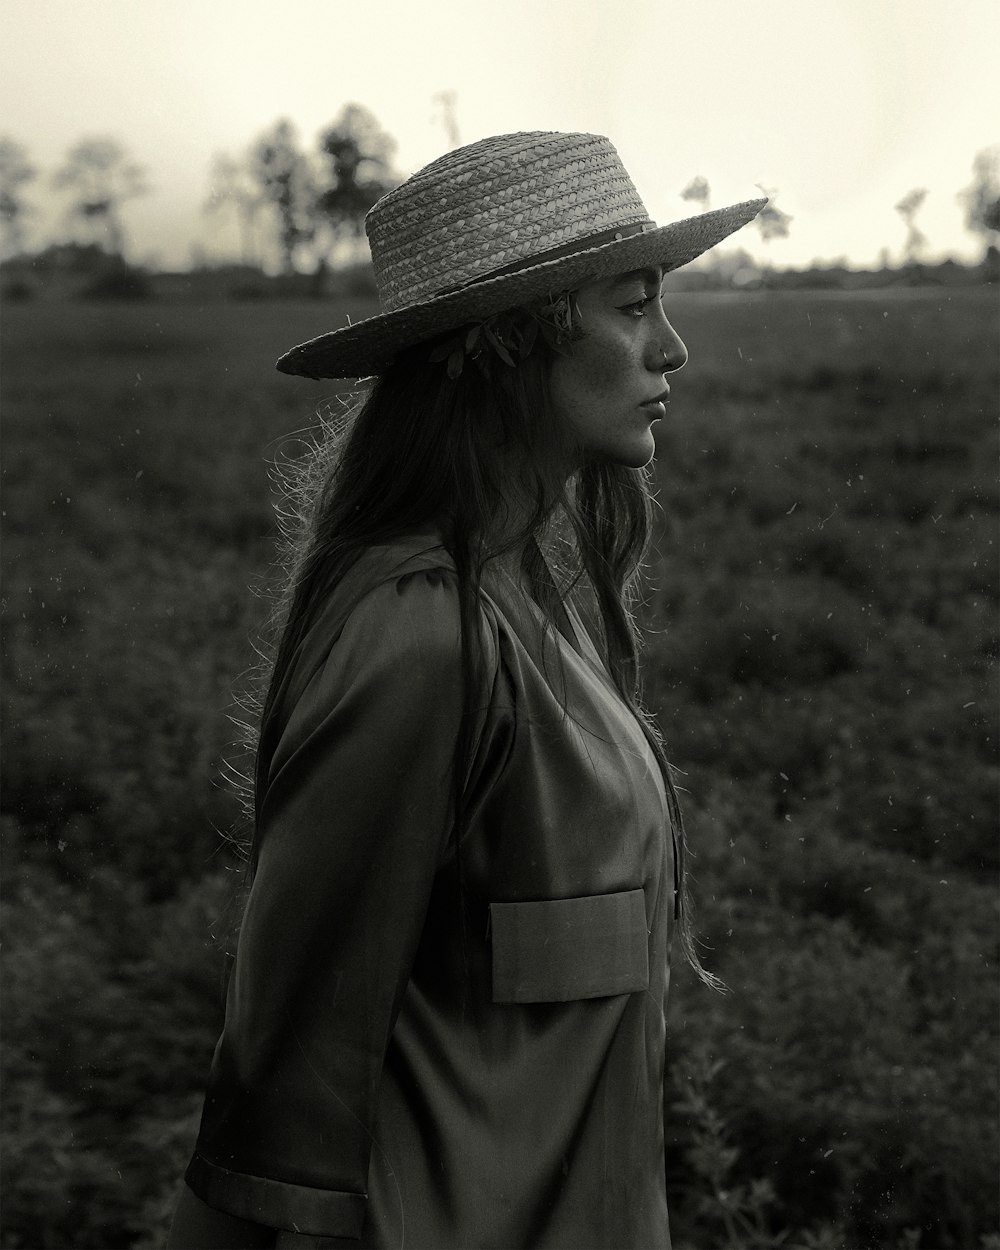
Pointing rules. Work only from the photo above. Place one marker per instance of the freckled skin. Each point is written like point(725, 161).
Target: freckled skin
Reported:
point(628, 347)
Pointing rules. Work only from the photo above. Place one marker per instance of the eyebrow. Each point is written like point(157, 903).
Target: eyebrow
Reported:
point(648, 277)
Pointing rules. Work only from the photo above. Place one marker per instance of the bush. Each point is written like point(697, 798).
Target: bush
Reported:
point(112, 1012)
point(119, 282)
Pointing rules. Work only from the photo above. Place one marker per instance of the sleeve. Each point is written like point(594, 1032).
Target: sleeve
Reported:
point(354, 823)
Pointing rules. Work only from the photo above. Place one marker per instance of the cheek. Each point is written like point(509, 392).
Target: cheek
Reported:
point(607, 364)
point(598, 370)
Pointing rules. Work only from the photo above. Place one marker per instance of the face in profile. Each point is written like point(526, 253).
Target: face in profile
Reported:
point(610, 387)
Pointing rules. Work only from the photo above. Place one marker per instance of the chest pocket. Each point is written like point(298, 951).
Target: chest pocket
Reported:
point(556, 950)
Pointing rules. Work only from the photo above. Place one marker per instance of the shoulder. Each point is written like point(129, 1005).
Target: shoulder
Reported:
point(401, 596)
point(398, 609)
point(412, 613)
point(387, 648)
point(387, 661)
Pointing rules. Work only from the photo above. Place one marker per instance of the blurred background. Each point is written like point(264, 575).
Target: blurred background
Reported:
point(182, 195)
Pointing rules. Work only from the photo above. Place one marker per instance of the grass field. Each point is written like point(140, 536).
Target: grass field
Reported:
point(822, 656)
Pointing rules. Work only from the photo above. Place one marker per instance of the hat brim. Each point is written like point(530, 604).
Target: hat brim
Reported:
point(369, 346)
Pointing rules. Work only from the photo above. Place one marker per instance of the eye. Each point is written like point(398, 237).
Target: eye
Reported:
point(638, 307)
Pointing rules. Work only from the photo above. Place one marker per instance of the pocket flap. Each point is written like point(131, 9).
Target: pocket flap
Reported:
point(555, 950)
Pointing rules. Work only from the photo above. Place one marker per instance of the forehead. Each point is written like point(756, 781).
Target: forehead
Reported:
point(651, 277)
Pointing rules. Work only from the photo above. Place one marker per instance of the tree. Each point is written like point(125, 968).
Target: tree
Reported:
point(15, 170)
point(982, 197)
point(231, 186)
point(698, 191)
point(358, 154)
point(446, 102)
point(100, 176)
point(771, 221)
point(285, 179)
point(908, 207)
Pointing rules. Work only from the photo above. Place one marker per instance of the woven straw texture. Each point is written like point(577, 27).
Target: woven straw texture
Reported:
point(504, 203)
point(492, 204)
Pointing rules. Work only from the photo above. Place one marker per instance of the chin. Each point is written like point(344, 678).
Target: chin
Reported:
point(637, 460)
point(635, 457)
point(632, 453)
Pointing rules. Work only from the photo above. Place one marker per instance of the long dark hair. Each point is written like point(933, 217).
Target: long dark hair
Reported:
point(476, 453)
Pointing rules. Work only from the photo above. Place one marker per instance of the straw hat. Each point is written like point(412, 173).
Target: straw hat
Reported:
point(496, 224)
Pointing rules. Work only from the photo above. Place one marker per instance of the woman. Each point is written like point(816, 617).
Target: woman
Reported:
point(445, 1022)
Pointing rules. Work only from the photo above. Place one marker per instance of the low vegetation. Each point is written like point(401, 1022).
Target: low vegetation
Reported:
point(822, 659)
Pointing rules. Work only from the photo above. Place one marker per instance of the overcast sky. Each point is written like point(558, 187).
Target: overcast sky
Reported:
point(842, 105)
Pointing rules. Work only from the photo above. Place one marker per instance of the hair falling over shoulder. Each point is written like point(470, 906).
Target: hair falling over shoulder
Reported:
point(476, 454)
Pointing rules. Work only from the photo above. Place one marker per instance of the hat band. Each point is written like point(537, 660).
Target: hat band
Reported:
point(557, 253)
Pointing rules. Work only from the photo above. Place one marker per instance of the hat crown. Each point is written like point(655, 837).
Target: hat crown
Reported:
point(496, 204)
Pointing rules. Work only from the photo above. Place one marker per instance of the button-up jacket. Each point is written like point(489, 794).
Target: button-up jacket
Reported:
point(432, 1043)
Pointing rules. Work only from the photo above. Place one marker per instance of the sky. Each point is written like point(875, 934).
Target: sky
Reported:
point(841, 106)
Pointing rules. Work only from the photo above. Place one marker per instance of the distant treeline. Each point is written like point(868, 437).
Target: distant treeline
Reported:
point(73, 270)
point(284, 207)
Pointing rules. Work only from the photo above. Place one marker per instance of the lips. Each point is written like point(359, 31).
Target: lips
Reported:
point(662, 398)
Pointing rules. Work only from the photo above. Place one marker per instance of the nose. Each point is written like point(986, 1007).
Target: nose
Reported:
point(673, 353)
